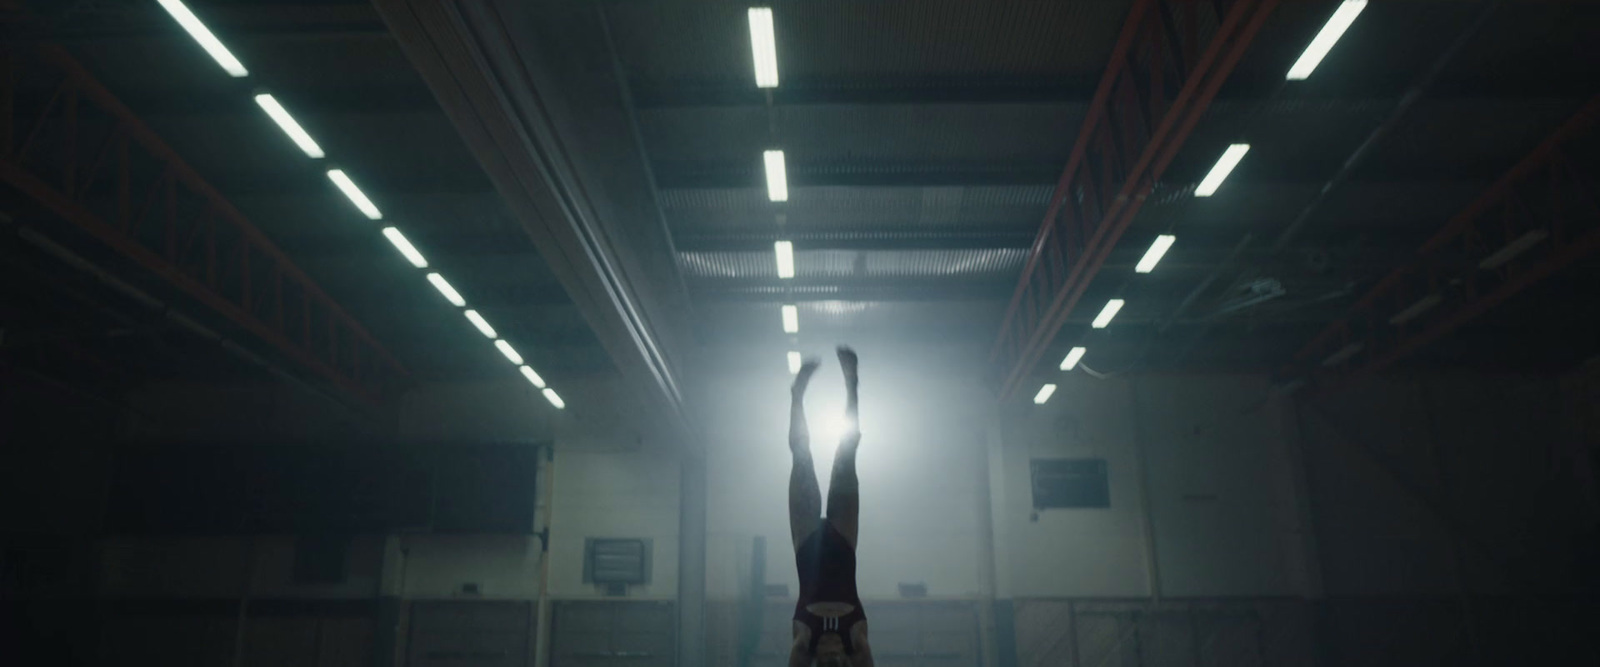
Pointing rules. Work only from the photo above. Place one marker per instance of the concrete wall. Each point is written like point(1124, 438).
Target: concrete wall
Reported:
point(1439, 504)
point(1456, 518)
point(1223, 507)
point(610, 479)
point(1444, 485)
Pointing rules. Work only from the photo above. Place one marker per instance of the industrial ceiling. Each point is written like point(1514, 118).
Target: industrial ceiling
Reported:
point(924, 143)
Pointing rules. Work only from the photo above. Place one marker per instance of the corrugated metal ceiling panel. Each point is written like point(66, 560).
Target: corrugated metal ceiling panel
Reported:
point(841, 41)
point(740, 209)
point(865, 133)
point(981, 262)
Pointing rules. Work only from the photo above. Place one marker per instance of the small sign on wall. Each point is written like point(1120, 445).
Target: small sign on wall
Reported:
point(1070, 483)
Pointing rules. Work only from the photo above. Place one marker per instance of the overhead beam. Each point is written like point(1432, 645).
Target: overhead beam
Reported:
point(1244, 96)
point(801, 174)
point(75, 159)
point(1137, 121)
point(551, 135)
point(1540, 217)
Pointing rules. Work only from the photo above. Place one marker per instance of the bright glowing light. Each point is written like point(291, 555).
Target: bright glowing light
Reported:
point(832, 426)
point(482, 324)
point(202, 34)
point(550, 395)
point(528, 372)
point(784, 252)
point(777, 176)
point(1415, 310)
point(287, 123)
point(764, 47)
point(1153, 256)
point(1071, 360)
point(444, 288)
point(348, 187)
point(1110, 311)
point(1344, 354)
point(1044, 394)
point(794, 362)
point(791, 319)
point(509, 352)
point(1514, 248)
point(1329, 35)
point(1219, 172)
point(400, 243)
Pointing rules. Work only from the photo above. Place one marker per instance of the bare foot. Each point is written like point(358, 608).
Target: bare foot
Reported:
point(803, 378)
point(848, 363)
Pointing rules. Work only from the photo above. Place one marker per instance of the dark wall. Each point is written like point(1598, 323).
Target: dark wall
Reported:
point(323, 488)
point(55, 449)
point(1454, 523)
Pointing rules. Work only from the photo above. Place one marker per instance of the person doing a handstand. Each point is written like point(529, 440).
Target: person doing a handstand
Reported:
point(830, 627)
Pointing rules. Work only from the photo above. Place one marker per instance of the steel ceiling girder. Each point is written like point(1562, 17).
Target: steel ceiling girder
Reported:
point(84, 157)
point(1162, 75)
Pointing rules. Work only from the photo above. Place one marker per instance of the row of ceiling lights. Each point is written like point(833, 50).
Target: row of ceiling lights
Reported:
point(1319, 47)
point(764, 53)
point(342, 181)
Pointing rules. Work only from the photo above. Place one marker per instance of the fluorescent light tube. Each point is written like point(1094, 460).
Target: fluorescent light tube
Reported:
point(400, 243)
point(528, 372)
point(1071, 360)
point(1411, 312)
point(1329, 35)
point(444, 288)
point(201, 34)
point(1106, 313)
point(777, 176)
point(791, 319)
point(550, 395)
point(348, 187)
point(1219, 172)
point(794, 362)
point(1153, 256)
point(784, 252)
point(1044, 394)
point(285, 122)
point(764, 47)
point(510, 354)
point(482, 324)
point(1514, 248)
point(1343, 354)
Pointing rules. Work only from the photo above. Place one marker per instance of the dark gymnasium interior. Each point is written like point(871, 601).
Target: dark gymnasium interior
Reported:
point(460, 333)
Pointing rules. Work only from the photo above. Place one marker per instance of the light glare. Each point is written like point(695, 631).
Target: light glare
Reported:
point(1514, 248)
point(528, 372)
point(202, 34)
point(1329, 35)
point(763, 47)
point(784, 252)
point(791, 319)
point(400, 243)
point(285, 122)
point(444, 288)
point(1044, 394)
point(1219, 172)
point(777, 176)
point(1110, 311)
point(354, 194)
point(1153, 256)
point(482, 324)
point(550, 395)
point(1071, 360)
point(510, 353)
point(794, 362)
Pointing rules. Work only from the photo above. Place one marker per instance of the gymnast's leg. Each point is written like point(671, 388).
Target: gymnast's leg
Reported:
point(844, 489)
point(805, 500)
